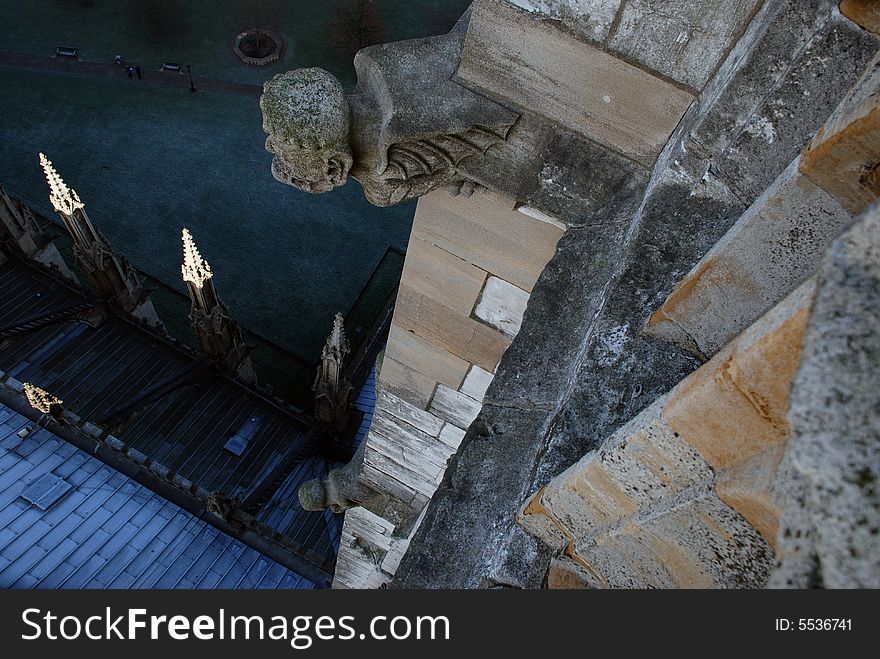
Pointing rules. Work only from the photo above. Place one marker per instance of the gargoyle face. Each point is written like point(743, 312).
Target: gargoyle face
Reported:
point(310, 170)
point(306, 116)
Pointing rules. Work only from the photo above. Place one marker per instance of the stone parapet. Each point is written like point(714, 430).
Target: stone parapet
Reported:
point(684, 494)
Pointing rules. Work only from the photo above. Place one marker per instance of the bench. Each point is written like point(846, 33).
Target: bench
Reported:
point(171, 66)
point(67, 51)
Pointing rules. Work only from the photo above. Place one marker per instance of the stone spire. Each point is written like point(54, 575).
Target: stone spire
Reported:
point(332, 388)
point(41, 400)
point(64, 200)
point(219, 335)
point(108, 273)
point(22, 233)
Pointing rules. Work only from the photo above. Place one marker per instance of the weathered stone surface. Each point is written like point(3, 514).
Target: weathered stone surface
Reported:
point(502, 305)
point(454, 407)
point(589, 19)
point(830, 534)
point(425, 358)
point(567, 574)
point(797, 106)
point(368, 537)
point(451, 435)
point(645, 508)
point(459, 510)
point(773, 247)
point(764, 55)
point(620, 371)
point(442, 276)
point(403, 410)
point(476, 382)
point(864, 12)
point(844, 156)
point(457, 334)
point(741, 395)
point(480, 231)
point(581, 180)
point(682, 39)
point(640, 512)
point(406, 382)
point(751, 489)
point(534, 65)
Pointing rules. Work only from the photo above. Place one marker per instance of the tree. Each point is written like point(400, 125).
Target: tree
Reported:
point(357, 25)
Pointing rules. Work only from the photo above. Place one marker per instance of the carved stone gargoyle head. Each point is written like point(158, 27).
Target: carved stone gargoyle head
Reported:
point(407, 128)
point(307, 118)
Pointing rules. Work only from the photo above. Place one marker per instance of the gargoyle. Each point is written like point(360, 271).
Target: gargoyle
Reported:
point(405, 130)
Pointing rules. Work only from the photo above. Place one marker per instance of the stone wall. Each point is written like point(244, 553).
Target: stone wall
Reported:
point(683, 495)
point(581, 367)
point(470, 268)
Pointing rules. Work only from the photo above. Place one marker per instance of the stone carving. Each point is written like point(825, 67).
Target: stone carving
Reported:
point(41, 400)
point(110, 274)
point(405, 130)
point(219, 334)
point(333, 390)
point(340, 490)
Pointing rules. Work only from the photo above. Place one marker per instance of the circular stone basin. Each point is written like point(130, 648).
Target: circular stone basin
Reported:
point(258, 47)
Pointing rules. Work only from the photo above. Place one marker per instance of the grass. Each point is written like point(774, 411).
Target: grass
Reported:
point(148, 159)
point(200, 32)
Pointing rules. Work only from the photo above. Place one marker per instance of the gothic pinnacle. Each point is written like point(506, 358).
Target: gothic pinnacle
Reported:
point(337, 337)
point(195, 269)
point(64, 200)
point(40, 399)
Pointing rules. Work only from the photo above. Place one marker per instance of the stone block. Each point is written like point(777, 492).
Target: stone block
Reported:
point(408, 445)
point(587, 499)
point(476, 382)
point(451, 436)
point(442, 276)
point(764, 55)
point(863, 12)
point(830, 536)
point(588, 19)
point(406, 382)
point(425, 357)
point(580, 181)
point(535, 65)
point(454, 407)
point(456, 334)
point(682, 39)
point(796, 107)
point(650, 462)
point(735, 406)
point(749, 489)
point(502, 305)
point(403, 410)
point(773, 247)
point(491, 236)
point(844, 156)
point(567, 574)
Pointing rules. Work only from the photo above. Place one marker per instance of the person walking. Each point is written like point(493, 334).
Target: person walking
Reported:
point(129, 70)
point(137, 70)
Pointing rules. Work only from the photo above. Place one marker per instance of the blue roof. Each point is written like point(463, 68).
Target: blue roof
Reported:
point(101, 529)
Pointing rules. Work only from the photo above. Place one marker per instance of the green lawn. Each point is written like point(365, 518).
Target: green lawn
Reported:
point(200, 32)
point(148, 159)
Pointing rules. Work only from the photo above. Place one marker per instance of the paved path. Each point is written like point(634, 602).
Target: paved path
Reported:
point(116, 71)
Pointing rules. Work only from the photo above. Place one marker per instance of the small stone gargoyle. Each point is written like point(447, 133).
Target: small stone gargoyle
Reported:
point(405, 130)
